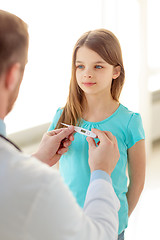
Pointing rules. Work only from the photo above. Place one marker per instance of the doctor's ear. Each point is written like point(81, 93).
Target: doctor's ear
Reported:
point(12, 76)
point(116, 72)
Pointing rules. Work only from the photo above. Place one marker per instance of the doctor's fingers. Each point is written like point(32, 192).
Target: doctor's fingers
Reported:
point(66, 142)
point(110, 136)
point(62, 133)
point(103, 135)
point(54, 132)
point(62, 150)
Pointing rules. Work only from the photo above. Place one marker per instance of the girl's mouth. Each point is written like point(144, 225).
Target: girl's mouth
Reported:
point(88, 84)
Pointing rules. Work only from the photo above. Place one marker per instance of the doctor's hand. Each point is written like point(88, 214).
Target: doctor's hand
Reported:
point(105, 155)
point(54, 144)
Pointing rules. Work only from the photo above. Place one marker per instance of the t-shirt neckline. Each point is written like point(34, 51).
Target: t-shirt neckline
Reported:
point(106, 119)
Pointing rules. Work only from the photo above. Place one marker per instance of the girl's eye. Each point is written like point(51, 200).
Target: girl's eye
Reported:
point(98, 67)
point(80, 66)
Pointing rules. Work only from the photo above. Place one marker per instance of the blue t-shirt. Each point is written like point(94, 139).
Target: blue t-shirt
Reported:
point(128, 129)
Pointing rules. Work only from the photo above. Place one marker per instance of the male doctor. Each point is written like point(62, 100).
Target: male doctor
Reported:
point(35, 204)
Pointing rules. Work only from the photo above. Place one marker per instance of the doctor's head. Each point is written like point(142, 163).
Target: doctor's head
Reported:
point(14, 40)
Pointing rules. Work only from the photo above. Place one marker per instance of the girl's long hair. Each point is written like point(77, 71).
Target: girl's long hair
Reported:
point(108, 47)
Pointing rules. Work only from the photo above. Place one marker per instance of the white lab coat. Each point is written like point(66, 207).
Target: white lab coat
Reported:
point(35, 204)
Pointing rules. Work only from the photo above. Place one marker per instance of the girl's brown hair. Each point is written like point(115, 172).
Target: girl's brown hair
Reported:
point(107, 46)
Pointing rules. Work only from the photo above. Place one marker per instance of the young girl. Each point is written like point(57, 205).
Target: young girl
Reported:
point(93, 102)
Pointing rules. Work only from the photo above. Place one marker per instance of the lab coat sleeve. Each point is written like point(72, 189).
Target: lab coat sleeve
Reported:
point(56, 215)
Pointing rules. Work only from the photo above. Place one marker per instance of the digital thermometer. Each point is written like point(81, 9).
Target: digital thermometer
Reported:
point(82, 131)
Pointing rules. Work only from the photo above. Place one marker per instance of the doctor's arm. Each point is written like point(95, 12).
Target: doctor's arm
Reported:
point(62, 218)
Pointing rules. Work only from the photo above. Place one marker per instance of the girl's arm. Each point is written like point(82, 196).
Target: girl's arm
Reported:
point(136, 170)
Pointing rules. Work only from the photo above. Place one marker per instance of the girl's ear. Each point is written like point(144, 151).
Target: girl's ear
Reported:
point(12, 76)
point(116, 72)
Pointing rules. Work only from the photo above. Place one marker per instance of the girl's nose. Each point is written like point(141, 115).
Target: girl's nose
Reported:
point(88, 75)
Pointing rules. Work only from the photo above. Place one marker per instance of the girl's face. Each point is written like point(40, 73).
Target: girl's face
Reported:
point(94, 75)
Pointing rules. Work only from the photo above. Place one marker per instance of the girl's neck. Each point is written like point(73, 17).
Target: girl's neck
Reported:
point(97, 108)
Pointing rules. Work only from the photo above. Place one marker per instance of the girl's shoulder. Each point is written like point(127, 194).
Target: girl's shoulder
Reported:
point(133, 118)
point(132, 125)
point(55, 118)
point(125, 110)
point(58, 114)
point(129, 119)
point(128, 114)
point(59, 111)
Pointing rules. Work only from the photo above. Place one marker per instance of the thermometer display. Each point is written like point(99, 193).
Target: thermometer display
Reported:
point(82, 131)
